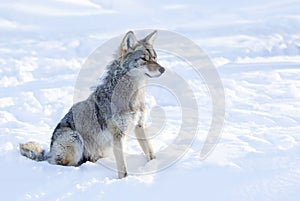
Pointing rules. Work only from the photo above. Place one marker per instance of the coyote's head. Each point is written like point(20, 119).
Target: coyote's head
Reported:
point(139, 55)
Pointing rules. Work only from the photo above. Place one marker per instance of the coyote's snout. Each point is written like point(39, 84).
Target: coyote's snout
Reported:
point(114, 109)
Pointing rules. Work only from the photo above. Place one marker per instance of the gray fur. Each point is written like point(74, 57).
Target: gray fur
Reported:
point(114, 109)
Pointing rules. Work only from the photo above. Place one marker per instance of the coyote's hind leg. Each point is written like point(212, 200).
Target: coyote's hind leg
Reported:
point(66, 148)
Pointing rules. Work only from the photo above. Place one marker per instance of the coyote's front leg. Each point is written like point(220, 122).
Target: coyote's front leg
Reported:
point(144, 141)
point(119, 144)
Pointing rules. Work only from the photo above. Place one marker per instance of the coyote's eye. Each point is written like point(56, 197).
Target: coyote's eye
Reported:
point(143, 59)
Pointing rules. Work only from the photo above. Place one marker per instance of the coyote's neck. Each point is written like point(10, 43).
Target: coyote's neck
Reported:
point(122, 88)
point(129, 93)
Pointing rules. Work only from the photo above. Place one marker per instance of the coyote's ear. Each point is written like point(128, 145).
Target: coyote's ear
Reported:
point(129, 41)
point(151, 37)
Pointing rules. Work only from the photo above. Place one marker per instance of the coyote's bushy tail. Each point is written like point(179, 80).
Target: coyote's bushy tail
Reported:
point(33, 151)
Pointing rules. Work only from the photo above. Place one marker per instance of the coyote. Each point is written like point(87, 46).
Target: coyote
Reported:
point(115, 108)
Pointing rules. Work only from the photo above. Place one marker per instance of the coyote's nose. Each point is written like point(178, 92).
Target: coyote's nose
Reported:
point(161, 70)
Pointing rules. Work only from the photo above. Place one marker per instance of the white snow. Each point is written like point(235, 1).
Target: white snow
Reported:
point(255, 46)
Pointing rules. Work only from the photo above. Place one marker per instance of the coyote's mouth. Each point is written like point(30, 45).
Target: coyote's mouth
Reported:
point(148, 75)
point(152, 76)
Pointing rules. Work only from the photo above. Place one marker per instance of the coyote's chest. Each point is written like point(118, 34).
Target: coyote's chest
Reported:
point(126, 122)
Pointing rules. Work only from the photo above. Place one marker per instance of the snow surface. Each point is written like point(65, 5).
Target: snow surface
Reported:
point(255, 46)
